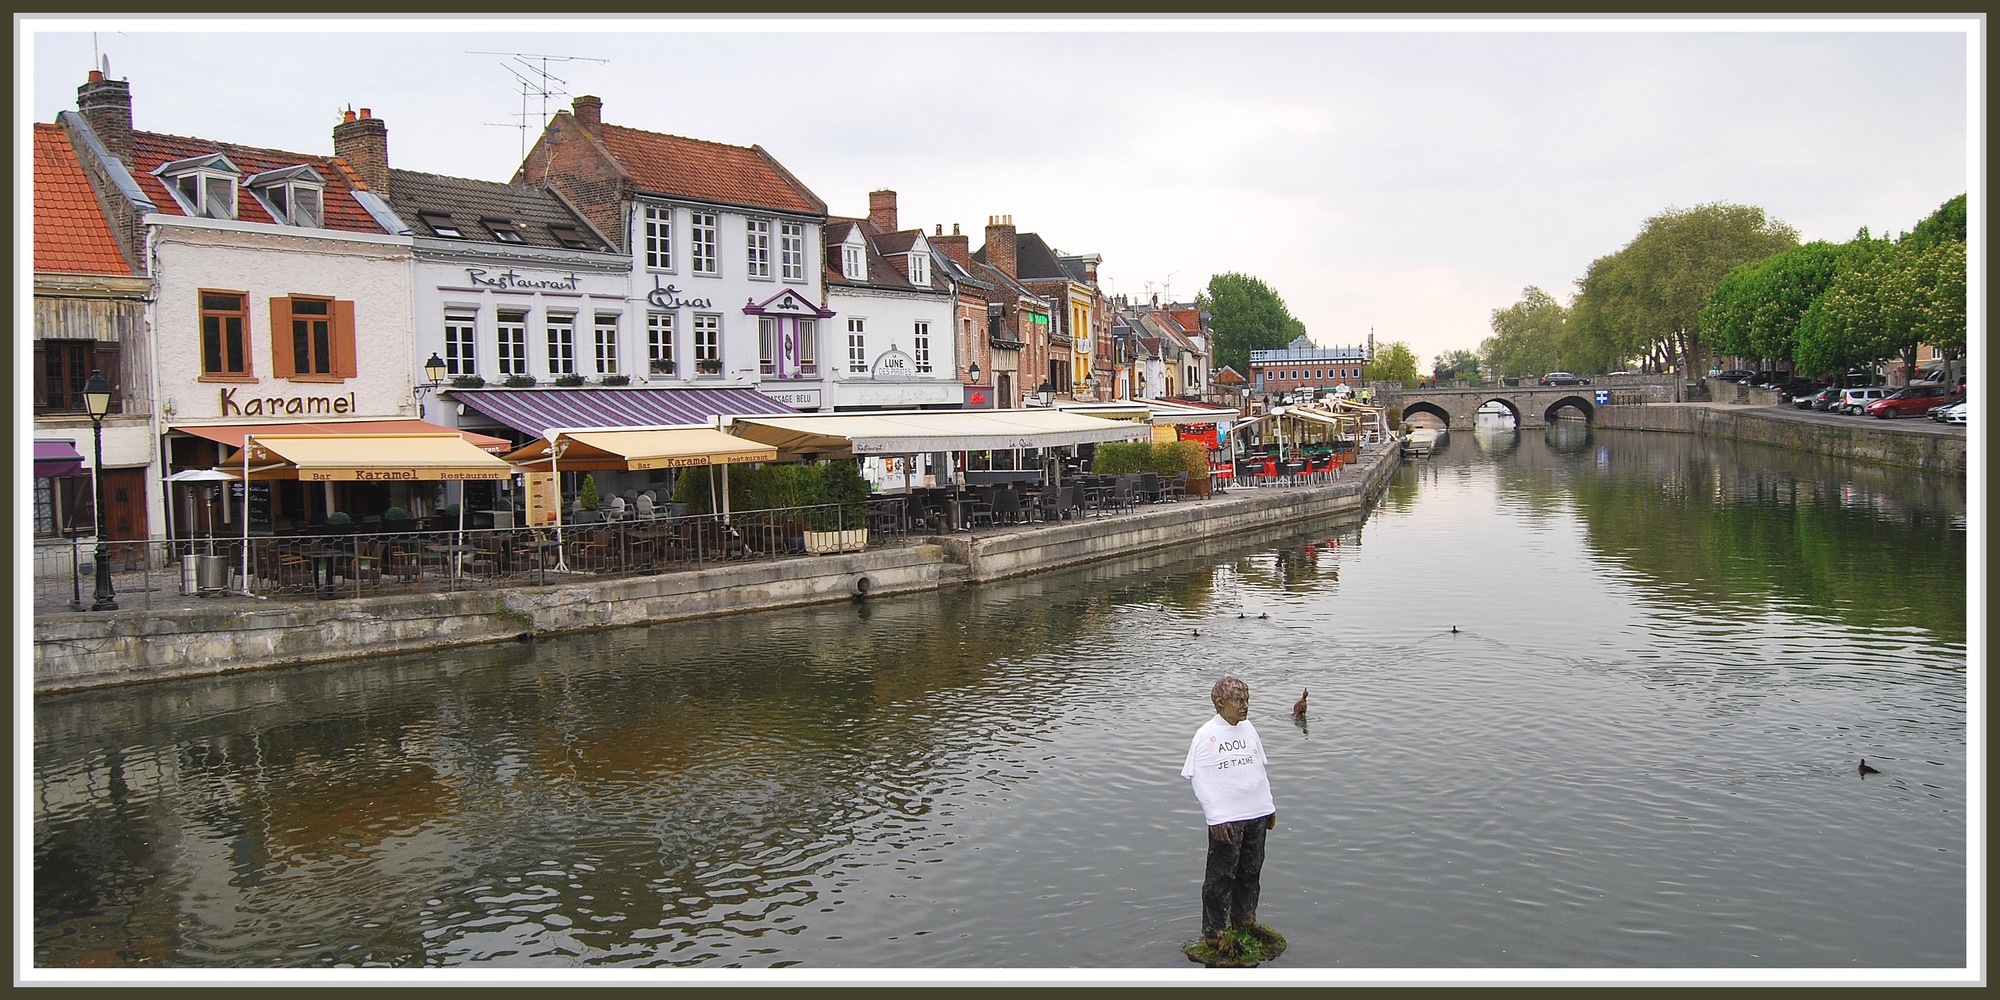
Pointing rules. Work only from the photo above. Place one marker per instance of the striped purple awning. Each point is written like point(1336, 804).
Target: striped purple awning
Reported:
point(54, 459)
point(534, 411)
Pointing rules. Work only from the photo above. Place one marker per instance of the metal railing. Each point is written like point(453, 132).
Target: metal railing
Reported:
point(364, 563)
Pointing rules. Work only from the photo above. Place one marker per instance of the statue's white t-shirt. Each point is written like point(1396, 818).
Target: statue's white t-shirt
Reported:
point(1227, 765)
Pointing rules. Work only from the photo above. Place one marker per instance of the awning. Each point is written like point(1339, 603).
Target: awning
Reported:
point(839, 435)
point(374, 458)
point(1158, 412)
point(55, 459)
point(634, 450)
point(232, 434)
point(538, 411)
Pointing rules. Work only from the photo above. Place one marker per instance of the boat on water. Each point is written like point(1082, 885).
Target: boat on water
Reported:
point(1422, 440)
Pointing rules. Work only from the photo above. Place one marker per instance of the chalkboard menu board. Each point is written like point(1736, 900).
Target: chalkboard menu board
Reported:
point(260, 503)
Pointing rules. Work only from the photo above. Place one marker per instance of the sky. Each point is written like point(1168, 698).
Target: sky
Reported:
point(1400, 178)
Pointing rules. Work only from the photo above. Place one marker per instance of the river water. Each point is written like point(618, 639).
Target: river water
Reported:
point(1580, 700)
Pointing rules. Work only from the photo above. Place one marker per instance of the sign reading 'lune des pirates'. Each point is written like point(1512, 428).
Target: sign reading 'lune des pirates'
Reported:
point(893, 365)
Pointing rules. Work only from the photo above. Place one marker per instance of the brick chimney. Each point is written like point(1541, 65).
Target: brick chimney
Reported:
point(882, 210)
point(1000, 247)
point(956, 246)
point(107, 106)
point(363, 141)
point(589, 110)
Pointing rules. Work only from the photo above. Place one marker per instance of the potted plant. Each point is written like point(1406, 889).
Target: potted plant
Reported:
point(839, 521)
point(519, 381)
point(398, 519)
point(617, 380)
point(467, 381)
point(709, 366)
point(663, 366)
point(339, 523)
point(569, 381)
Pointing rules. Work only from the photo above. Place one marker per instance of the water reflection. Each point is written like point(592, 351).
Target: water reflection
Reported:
point(1573, 705)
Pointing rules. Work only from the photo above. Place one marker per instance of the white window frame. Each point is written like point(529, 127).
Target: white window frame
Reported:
point(857, 345)
point(757, 248)
point(510, 340)
point(657, 226)
point(920, 345)
point(708, 343)
point(561, 329)
point(767, 345)
point(210, 183)
point(660, 343)
point(703, 230)
point(920, 269)
point(606, 328)
point(853, 262)
point(792, 250)
point(461, 340)
point(295, 196)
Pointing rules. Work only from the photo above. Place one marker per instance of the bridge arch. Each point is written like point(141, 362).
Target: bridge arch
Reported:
point(1551, 412)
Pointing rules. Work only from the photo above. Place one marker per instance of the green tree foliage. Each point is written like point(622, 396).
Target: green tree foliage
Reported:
point(1945, 224)
point(1756, 309)
point(1896, 297)
point(1393, 362)
point(1646, 300)
point(1460, 363)
point(1246, 316)
point(586, 496)
point(1527, 336)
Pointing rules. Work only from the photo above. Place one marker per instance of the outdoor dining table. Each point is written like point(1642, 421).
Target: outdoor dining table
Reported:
point(456, 553)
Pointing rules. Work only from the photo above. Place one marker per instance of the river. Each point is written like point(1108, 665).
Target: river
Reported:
point(1580, 701)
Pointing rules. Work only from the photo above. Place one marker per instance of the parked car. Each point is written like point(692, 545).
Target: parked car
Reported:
point(1939, 412)
point(1792, 388)
point(1769, 378)
point(1733, 374)
point(1817, 400)
point(1855, 401)
point(1829, 400)
point(1958, 413)
point(1908, 401)
point(1618, 373)
point(1564, 378)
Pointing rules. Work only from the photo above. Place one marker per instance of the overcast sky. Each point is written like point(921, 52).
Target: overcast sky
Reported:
point(1402, 177)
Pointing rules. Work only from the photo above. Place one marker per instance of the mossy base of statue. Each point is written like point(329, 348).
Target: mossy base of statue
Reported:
point(1237, 948)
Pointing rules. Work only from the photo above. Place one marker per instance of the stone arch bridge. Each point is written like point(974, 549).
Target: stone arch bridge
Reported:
point(1532, 406)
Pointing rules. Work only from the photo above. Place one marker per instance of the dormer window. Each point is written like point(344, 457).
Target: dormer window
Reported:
point(294, 195)
point(853, 263)
point(569, 236)
point(440, 224)
point(920, 269)
point(205, 186)
point(503, 230)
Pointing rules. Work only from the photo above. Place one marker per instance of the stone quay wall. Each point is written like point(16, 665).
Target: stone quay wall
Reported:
point(75, 651)
point(1859, 439)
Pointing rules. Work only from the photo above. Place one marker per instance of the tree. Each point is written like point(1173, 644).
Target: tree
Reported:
point(1755, 310)
point(1947, 223)
point(1897, 298)
point(1393, 362)
point(1527, 336)
point(1460, 363)
point(1246, 316)
point(1646, 299)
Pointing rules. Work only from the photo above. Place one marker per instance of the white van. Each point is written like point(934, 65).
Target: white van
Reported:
point(1856, 400)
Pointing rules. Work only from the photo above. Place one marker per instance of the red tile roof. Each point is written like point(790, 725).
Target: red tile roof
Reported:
point(150, 149)
point(71, 236)
point(710, 171)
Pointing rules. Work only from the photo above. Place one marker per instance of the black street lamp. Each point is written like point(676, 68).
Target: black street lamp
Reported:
point(1047, 392)
point(974, 370)
point(97, 400)
point(434, 373)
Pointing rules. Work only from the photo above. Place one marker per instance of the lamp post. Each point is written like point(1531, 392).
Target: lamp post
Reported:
point(434, 377)
point(97, 401)
point(974, 370)
point(1046, 393)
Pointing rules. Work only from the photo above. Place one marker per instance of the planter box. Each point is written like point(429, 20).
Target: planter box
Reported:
point(822, 543)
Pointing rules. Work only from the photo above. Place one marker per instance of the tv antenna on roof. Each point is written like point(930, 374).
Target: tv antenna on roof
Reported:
point(536, 82)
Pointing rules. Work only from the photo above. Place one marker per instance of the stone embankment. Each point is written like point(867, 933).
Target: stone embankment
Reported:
point(1910, 443)
point(76, 651)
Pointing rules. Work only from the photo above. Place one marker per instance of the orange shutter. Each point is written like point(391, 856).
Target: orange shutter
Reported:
point(281, 339)
point(345, 364)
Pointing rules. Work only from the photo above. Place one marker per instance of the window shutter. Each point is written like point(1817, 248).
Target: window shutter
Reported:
point(281, 339)
point(105, 358)
point(345, 364)
point(40, 377)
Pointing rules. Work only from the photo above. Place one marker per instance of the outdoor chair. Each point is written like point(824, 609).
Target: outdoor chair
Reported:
point(1175, 489)
point(1149, 487)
